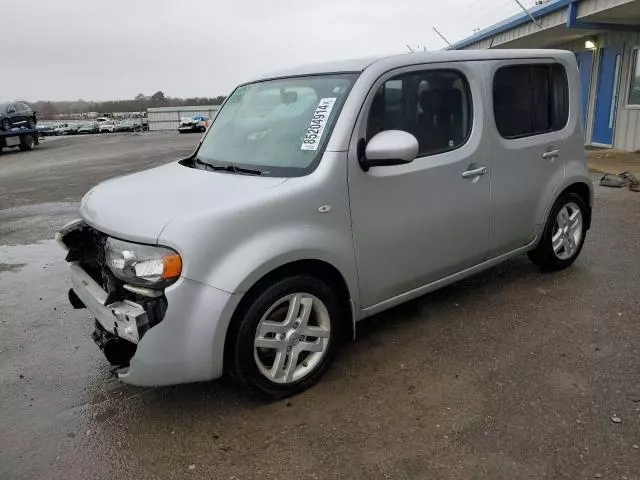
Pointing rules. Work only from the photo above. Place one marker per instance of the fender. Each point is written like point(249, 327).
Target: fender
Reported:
point(249, 261)
point(578, 178)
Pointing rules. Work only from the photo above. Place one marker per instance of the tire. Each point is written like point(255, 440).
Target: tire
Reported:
point(27, 143)
point(5, 125)
point(264, 317)
point(569, 242)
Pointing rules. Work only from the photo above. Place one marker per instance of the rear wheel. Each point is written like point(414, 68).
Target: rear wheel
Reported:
point(31, 123)
point(27, 143)
point(563, 236)
point(286, 336)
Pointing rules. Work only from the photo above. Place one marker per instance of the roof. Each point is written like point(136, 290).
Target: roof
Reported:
point(512, 22)
point(339, 66)
point(404, 59)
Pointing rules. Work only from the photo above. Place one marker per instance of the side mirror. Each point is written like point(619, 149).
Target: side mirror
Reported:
point(391, 147)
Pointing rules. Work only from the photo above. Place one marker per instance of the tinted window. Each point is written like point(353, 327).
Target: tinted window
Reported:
point(434, 106)
point(530, 99)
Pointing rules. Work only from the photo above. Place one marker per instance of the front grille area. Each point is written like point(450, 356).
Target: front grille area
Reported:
point(87, 246)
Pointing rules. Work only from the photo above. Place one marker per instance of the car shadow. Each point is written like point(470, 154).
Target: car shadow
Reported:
point(369, 331)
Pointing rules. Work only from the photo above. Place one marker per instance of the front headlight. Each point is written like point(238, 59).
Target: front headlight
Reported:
point(143, 265)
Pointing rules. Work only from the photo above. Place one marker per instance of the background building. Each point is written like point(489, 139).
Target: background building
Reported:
point(605, 36)
point(168, 118)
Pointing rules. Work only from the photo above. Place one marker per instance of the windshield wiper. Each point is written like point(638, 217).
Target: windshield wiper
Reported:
point(236, 169)
point(227, 168)
point(197, 161)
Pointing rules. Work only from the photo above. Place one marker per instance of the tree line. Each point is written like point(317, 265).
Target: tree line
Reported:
point(49, 110)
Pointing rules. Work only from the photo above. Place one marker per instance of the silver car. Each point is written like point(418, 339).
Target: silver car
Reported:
point(324, 195)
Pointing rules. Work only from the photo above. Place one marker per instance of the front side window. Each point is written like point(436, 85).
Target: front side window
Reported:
point(434, 106)
point(530, 99)
point(634, 83)
point(277, 127)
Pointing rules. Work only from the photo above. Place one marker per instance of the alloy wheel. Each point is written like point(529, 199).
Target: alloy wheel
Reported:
point(292, 338)
point(567, 232)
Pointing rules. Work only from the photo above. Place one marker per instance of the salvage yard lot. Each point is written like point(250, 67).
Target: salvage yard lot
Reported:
point(510, 374)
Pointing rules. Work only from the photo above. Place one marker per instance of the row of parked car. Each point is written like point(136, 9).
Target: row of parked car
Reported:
point(100, 125)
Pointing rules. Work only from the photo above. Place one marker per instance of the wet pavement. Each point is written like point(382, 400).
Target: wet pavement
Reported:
point(510, 374)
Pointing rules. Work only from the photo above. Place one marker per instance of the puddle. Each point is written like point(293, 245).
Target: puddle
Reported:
point(41, 254)
point(5, 267)
point(29, 224)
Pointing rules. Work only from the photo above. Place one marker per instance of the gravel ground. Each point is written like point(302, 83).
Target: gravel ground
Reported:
point(511, 374)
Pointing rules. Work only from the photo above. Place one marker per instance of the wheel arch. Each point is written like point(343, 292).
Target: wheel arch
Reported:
point(582, 187)
point(583, 190)
point(315, 267)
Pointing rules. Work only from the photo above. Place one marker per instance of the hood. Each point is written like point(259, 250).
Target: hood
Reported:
point(138, 207)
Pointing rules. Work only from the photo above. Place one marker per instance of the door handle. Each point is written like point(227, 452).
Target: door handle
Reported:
point(476, 172)
point(551, 154)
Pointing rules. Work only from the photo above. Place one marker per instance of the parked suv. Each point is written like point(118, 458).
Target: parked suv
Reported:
point(324, 195)
point(16, 114)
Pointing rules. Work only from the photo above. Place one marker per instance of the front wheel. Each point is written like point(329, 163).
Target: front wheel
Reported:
point(286, 336)
point(5, 125)
point(563, 236)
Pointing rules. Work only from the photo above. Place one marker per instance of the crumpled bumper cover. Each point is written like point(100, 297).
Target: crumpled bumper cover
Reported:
point(186, 346)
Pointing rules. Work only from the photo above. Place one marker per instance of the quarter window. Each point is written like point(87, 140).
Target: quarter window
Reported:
point(634, 83)
point(434, 106)
point(530, 99)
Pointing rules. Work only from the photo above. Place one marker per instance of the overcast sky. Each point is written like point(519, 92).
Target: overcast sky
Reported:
point(115, 49)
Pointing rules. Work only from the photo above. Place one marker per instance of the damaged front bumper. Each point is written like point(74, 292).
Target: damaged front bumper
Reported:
point(175, 337)
point(120, 318)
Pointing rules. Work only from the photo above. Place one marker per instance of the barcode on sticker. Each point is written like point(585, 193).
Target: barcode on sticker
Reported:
point(319, 120)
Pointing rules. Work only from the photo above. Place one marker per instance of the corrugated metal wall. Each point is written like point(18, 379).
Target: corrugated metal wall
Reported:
point(627, 129)
point(548, 21)
point(169, 118)
point(594, 6)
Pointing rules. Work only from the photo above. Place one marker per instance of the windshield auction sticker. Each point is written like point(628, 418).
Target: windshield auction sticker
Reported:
point(318, 122)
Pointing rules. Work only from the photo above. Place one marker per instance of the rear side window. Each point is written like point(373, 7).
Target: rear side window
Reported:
point(530, 99)
point(434, 105)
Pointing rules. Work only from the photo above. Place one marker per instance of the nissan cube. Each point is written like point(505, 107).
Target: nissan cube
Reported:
point(321, 196)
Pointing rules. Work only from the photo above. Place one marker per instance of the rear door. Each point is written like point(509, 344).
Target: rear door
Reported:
point(531, 126)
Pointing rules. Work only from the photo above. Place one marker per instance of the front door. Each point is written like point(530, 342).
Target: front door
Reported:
point(414, 224)
point(607, 95)
point(533, 131)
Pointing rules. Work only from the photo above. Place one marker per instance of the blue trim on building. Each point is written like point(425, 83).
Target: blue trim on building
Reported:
point(513, 22)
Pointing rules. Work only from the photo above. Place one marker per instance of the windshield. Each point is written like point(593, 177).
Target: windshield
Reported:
point(278, 127)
